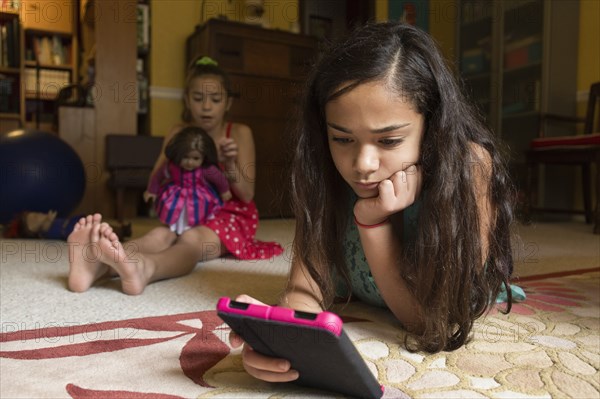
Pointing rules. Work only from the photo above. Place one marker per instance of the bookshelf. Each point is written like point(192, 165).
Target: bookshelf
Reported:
point(11, 70)
point(38, 51)
point(50, 64)
point(517, 59)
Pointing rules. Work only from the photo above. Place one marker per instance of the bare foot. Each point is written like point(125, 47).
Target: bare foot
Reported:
point(131, 265)
point(85, 266)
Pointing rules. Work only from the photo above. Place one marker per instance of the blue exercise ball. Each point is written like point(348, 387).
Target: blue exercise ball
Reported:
point(39, 172)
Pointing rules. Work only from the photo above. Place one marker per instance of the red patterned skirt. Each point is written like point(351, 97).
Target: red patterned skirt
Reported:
point(235, 224)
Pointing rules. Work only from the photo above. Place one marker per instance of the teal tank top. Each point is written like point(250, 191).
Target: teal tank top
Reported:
point(361, 280)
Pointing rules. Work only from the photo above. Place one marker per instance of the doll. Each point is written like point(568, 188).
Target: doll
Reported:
point(46, 225)
point(38, 225)
point(189, 187)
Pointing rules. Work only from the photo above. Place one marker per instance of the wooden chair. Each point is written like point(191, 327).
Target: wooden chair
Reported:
point(130, 160)
point(578, 150)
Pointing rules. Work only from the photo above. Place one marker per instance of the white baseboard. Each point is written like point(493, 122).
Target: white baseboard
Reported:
point(166, 93)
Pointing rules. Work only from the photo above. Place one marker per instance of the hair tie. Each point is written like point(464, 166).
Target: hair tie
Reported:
point(207, 61)
point(370, 226)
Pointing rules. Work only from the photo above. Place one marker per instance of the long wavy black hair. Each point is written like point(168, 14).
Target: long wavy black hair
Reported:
point(443, 269)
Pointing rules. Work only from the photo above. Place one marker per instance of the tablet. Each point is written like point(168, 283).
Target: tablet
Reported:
point(315, 344)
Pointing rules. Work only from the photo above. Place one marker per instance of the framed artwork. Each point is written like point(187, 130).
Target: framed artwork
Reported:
point(320, 27)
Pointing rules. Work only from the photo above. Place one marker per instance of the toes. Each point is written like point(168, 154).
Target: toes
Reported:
point(79, 225)
point(106, 232)
point(116, 245)
point(95, 234)
point(96, 218)
point(88, 220)
point(105, 229)
point(113, 237)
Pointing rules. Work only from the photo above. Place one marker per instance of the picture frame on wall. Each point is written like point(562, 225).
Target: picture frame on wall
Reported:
point(320, 27)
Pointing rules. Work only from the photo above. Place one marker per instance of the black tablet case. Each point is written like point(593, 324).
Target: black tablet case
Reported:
point(323, 360)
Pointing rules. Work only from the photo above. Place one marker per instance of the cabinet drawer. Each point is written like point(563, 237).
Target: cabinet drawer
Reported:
point(301, 59)
point(265, 58)
point(229, 51)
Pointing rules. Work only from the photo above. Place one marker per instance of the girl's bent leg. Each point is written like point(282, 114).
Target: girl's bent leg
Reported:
point(198, 244)
point(156, 240)
point(138, 268)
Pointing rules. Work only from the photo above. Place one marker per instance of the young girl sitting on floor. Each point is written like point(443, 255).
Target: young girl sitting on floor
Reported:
point(414, 202)
point(162, 254)
point(184, 187)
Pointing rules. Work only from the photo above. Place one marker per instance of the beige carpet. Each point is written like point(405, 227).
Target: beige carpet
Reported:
point(538, 248)
point(168, 342)
point(543, 248)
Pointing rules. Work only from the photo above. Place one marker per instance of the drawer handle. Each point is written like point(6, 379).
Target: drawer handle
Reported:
point(233, 53)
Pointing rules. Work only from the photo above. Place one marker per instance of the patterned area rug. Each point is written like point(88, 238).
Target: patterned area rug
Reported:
point(547, 347)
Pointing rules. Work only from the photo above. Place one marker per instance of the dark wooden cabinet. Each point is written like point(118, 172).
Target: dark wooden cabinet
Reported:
point(267, 70)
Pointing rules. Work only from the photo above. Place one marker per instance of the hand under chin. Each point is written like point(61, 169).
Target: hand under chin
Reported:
point(363, 195)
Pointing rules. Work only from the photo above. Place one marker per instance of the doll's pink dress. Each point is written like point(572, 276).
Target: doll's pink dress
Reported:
point(187, 198)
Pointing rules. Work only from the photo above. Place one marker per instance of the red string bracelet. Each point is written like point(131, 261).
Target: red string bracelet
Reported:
point(370, 226)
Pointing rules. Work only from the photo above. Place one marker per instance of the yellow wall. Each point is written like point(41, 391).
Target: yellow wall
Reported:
point(174, 20)
point(381, 10)
point(442, 25)
point(588, 64)
point(589, 44)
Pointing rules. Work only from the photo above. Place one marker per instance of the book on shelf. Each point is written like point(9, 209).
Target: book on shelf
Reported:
point(475, 60)
point(10, 5)
point(522, 52)
point(50, 81)
point(522, 96)
point(513, 44)
point(43, 50)
point(3, 47)
point(143, 26)
point(10, 43)
point(50, 50)
point(9, 94)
